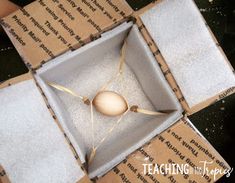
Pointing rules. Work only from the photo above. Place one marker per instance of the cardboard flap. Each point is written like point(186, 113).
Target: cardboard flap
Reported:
point(190, 57)
point(178, 146)
point(44, 29)
point(15, 80)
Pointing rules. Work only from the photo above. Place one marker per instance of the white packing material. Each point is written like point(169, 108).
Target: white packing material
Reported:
point(179, 30)
point(32, 147)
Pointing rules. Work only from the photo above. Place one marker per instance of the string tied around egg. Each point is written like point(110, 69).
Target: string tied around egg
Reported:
point(88, 102)
point(94, 148)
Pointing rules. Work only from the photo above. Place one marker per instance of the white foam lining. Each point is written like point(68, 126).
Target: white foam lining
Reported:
point(85, 71)
point(179, 30)
point(32, 147)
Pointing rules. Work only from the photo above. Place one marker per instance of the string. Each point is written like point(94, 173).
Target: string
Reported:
point(136, 109)
point(120, 67)
point(64, 89)
point(122, 58)
point(94, 148)
point(92, 126)
point(93, 152)
point(111, 129)
point(132, 109)
point(106, 85)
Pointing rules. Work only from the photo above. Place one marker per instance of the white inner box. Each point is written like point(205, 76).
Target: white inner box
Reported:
point(32, 147)
point(199, 67)
point(87, 69)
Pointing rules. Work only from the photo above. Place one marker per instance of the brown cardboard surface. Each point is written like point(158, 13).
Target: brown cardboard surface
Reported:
point(45, 29)
point(18, 26)
point(7, 7)
point(179, 144)
point(3, 176)
point(85, 179)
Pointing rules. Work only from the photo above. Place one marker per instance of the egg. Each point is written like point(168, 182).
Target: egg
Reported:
point(110, 103)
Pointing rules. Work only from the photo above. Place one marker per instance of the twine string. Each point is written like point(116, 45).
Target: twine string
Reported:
point(92, 127)
point(133, 108)
point(136, 109)
point(106, 85)
point(69, 91)
point(120, 68)
point(111, 129)
point(122, 58)
point(94, 148)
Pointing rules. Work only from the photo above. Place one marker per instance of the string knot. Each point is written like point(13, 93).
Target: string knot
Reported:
point(86, 100)
point(134, 108)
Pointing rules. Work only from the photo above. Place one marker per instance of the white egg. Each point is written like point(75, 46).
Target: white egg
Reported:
point(110, 103)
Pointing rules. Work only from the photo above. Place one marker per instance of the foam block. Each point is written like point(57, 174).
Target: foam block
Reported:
point(200, 69)
point(32, 147)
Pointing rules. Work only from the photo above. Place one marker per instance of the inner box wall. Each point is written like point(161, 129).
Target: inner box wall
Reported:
point(141, 61)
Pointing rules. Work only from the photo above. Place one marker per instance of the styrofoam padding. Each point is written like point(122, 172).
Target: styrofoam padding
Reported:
point(32, 147)
point(196, 62)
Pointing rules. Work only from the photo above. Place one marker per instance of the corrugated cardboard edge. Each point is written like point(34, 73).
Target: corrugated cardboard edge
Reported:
point(3, 176)
point(166, 70)
point(85, 179)
point(15, 80)
point(123, 173)
point(28, 76)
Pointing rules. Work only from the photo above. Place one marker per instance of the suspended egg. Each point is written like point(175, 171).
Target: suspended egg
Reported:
point(110, 103)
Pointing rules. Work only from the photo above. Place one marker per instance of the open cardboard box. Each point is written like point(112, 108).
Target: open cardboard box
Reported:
point(181, 79)
point(121, 142)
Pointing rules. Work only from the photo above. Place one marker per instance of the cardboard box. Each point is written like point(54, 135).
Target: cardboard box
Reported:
point(48, 35)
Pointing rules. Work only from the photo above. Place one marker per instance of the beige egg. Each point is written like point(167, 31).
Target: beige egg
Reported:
point(110, 103)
